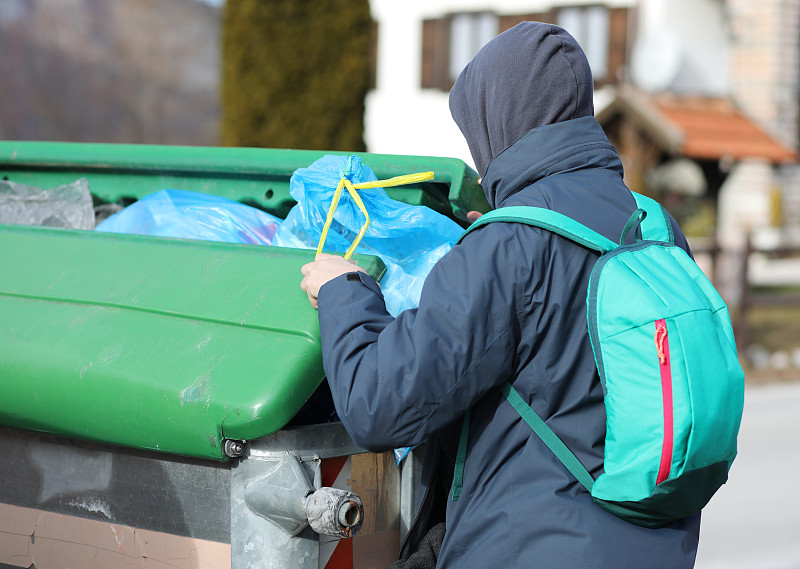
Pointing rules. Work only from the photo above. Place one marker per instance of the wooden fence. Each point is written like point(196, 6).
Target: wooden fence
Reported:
point(750, 295)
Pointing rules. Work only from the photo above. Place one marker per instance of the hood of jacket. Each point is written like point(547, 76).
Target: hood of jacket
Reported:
point(571, 146)
point(529, 76)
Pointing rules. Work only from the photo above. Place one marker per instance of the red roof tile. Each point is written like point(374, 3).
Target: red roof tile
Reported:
point(714, 128)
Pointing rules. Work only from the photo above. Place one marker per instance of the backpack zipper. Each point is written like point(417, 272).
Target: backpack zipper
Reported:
point(662, 346)
point(592, 316)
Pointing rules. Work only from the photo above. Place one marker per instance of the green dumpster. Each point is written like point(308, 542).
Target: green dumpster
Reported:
point(148, 385)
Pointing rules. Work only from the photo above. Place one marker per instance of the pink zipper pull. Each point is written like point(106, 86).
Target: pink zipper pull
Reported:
point(661, 334)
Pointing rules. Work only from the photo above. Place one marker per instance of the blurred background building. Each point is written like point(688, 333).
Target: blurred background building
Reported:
point(136, 71)
point(700, 97)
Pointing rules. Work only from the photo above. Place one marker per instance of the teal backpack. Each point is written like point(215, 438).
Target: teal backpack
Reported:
point(665, 352)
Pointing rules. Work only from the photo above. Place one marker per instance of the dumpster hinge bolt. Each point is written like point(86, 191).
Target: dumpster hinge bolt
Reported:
point(233, 449)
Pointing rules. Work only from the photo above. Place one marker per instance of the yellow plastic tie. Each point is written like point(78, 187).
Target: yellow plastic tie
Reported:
point(351, 188)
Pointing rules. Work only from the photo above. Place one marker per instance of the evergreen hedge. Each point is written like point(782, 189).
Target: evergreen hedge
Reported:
point(295, 73)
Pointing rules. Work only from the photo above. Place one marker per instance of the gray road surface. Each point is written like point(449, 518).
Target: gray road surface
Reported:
point(753, 522)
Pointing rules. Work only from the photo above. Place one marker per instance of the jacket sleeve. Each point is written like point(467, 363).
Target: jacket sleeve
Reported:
point(396, 381)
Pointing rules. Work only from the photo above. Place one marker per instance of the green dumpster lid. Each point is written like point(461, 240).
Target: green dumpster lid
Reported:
point(170, 344)
point(155, 343)
point(258, 176)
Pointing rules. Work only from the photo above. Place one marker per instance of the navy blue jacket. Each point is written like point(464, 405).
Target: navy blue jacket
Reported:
point(507, 304)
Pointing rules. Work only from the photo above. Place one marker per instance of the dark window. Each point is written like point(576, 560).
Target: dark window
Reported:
point(602, 32)
point(436, 54)
point(468, 34)
point(508, 22)
point(448, 43)
point(617, 44)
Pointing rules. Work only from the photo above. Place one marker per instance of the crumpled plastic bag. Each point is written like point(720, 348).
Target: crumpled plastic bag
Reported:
point(68, 206)
point(194, 215)
point(409, 239)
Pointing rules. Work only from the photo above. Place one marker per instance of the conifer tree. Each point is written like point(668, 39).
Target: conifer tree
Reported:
point(295, 73)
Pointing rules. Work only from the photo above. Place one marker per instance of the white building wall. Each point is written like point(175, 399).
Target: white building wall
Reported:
point(724, 47)
point(690, 42)
point(743, 204)
point(765, 66)
point(765, 73)
point(402, 118)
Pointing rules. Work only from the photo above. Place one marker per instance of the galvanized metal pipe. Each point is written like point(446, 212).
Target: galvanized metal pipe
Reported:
point(275, 506)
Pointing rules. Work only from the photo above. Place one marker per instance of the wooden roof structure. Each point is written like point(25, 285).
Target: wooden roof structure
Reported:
point(699, 128)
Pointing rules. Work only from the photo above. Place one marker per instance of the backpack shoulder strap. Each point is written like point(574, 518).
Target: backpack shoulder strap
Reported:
point(549, 438)
point(656, 225)
point(542, 430)
point(550, 220)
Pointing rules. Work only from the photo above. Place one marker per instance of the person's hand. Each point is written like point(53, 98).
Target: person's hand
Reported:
point(322, 269)
point(472, 216)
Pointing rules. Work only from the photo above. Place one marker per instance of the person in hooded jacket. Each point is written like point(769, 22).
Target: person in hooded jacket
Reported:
point(506, 304)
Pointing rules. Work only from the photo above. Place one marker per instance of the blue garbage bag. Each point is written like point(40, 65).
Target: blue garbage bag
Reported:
point(194, 215)
point(409, 239)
